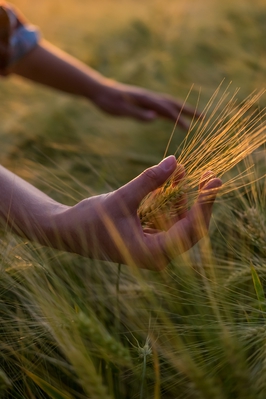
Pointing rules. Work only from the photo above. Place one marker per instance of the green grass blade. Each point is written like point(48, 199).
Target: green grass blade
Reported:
point(53, 392)
point(258, 288)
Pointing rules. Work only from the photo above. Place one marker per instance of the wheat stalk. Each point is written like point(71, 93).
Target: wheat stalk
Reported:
point(216, 143)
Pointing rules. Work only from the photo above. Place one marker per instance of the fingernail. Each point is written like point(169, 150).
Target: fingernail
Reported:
point(206, 178)
point(169, 163)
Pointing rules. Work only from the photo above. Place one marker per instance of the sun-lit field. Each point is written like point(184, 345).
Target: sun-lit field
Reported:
point(167, 49)
point(71, 327)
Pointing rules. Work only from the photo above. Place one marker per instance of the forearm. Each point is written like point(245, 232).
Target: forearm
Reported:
point(26, 210)
point(52, 67)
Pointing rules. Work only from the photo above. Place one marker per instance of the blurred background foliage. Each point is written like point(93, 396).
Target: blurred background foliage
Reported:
point(168, 48)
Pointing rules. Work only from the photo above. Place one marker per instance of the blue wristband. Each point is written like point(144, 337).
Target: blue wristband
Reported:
point(23, 40)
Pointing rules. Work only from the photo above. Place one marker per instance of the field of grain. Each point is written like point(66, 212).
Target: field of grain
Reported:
point(72, 327)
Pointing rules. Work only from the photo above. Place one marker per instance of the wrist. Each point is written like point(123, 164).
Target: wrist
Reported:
point(69, 230)
point(50, 226)
point(97, 88)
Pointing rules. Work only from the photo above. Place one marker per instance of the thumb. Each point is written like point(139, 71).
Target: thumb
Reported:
point(152, 178)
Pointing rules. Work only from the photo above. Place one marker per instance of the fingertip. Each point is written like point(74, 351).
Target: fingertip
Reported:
point(209, 191)
point(206, 178)
point(168, 164)
point(213, 183)
point(148, 181)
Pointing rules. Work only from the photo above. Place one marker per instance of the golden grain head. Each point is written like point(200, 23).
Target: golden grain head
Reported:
point(226, 134)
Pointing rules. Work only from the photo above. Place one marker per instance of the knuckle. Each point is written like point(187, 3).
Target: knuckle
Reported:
point(150, 174)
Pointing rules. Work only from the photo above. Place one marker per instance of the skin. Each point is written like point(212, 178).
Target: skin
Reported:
point(107, 226)
point(52, 67)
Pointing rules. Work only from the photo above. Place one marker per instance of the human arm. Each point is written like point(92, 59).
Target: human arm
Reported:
point(107, 226)
point(50, 66)
point(23, 53)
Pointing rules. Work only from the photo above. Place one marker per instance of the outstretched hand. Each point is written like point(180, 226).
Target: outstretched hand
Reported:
point(123, 100)
point(107, 226)
point(48, 65)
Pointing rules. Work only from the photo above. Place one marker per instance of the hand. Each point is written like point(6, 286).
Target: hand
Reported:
point(107, 226)
point(119, 99)
point(51, 67)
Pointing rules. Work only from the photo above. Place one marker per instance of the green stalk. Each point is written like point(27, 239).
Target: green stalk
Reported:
point(143, 376)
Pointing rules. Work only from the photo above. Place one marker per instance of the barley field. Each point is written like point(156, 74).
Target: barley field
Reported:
point(72, 327)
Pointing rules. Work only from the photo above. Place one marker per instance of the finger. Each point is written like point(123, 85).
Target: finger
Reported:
point(190, 111)
point(125, 105)
point(160, 104)
point(205, 178)
point(164, 218)
point(168, 108)
point(163, 108)
point(178, 175)
point(150, 231)
point(207, 197)
point(188, 231)
point(134, 192)
point(131, 110)
point(180, 207)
